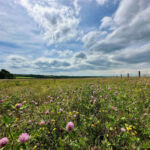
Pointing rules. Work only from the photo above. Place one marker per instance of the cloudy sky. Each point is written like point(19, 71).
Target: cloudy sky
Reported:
point(75, 37)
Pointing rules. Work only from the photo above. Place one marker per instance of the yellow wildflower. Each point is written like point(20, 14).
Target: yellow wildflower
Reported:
point(98, 122)
point(133, 133)
point(77, 113)
point(70, 113)
point(54, 129)
point(134, 127)
point(92, 125)
point(90, 118)
point(16, 119)
point(110, 128)
point(53, 120)
point(34, 147)
point(129, 128)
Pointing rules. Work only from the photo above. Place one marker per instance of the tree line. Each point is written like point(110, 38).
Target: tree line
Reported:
point(4, 74)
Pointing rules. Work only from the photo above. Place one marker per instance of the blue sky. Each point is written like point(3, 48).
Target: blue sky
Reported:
point(75, 37)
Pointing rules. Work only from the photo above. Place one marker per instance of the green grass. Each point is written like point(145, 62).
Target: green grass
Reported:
point(21, 77)
point(99, 108)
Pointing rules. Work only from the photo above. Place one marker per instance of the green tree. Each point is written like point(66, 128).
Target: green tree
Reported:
point(4, 74)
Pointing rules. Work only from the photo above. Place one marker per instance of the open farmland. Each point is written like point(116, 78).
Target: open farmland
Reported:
point(107, 113)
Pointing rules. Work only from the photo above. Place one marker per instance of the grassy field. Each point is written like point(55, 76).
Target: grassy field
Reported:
point(107, 113)
point(21, 77)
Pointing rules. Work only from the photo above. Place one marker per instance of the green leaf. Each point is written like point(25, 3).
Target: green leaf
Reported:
point(23, 107)
point(18, 147)
point(7, 120)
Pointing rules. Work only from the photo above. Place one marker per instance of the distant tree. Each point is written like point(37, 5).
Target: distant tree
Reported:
point(4, 74)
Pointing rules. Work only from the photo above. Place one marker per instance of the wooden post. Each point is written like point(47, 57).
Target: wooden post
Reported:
point(121, 75)
point(128, 75)
point(139, 74)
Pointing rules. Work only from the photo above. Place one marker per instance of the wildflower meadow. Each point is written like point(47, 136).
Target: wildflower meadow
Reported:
point(75, 114)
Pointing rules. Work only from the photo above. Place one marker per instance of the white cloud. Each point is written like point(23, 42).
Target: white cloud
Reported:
point(107, 22)
point(129, 9)
point(129, 27)
point(17, 64)
point(58, 22)
point(58, 53)
point(121, 41)
point(134, 55)
point(77, 7)
point(126, 42)
point(92, 37)
point(48, 64)
point(15, 27)
point(101, 2)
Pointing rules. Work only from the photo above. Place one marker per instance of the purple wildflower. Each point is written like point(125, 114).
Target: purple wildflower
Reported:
point(24, 102)
point(45, 102)
point(21, 112)
point(23, 138)
point(61, 110)
point(29, 121)
point(47, 112)
point(114, 108)
point(51, 101)
point(94, 92)
point(92, 96)
point(123, 130)
point(3, 142)
point(94, 101)
point(145, 114)
point(70, 126)
point(18, 105)
point(109, 88)
point(42, 123)
point(33, 102)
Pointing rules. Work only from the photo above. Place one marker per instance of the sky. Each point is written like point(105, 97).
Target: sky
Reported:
point(75, 37)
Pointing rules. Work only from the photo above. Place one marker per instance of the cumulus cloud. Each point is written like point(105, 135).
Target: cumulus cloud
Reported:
point(41, 65)
point(107, 22)
point(128, 10)
point(101, 2)
point(102, 61)
point(79, 61)
point(120, 40)
point(16, 61)
point(126, 38)
point(17, 64)
point(80, 55)
point(59, 53)
point(77, 7)
point(19, 34)
point(128, 27)
point(58, 22)
point(51, 65)
point(92, 37)
point(133, 55)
